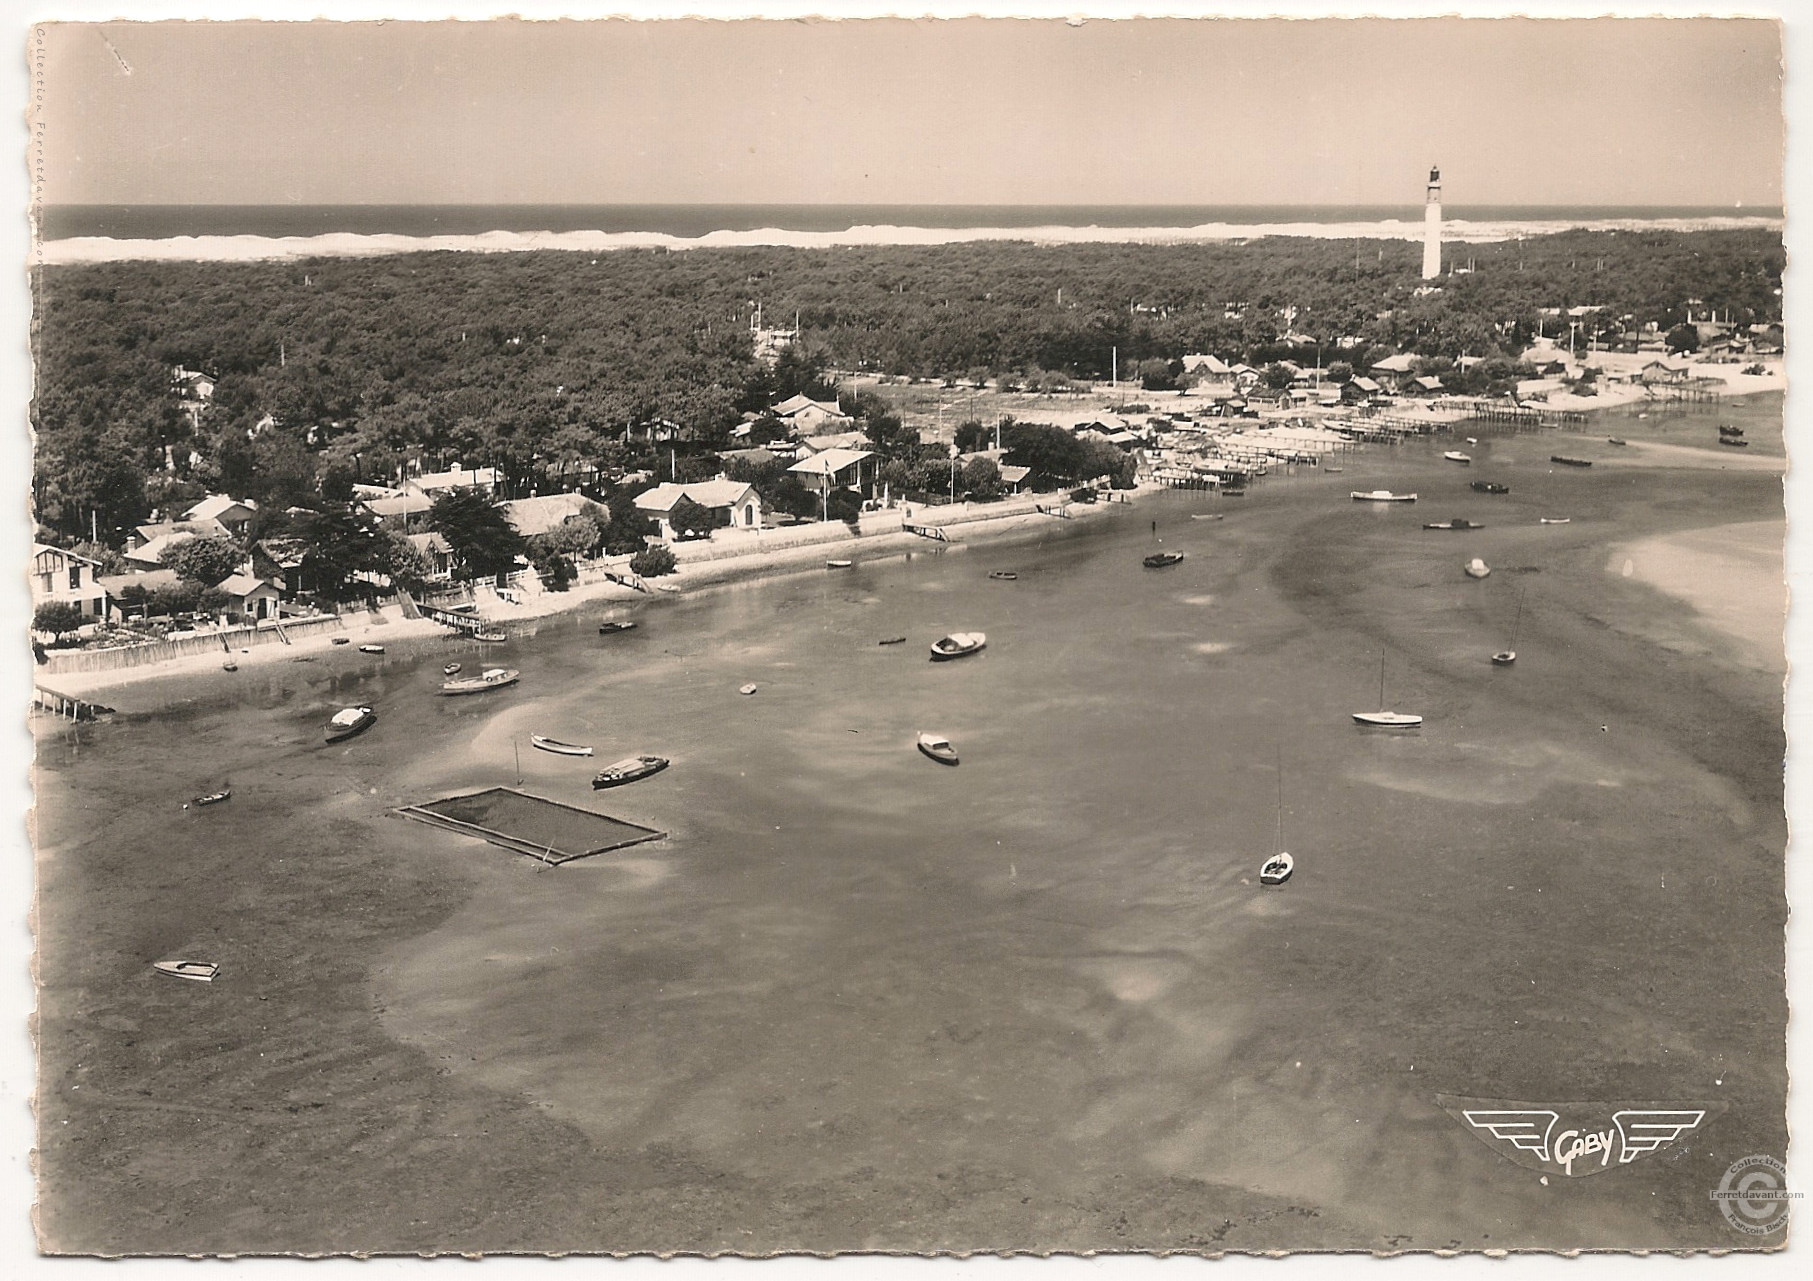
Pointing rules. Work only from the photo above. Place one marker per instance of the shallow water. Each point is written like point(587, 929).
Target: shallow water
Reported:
point(1053, 963)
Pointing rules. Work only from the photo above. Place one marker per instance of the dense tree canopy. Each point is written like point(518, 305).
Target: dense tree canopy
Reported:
point(483, 540)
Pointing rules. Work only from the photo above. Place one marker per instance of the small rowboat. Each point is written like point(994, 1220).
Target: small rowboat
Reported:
point(1388, 720)
point(611, 629)
point(1213, 515)
point(628, 770)
point(215, 798)
point(939, 748)
point(1731, 431)
point(1381, 496)
point(1553, 520)
point(349, 721)
point(957, 645)
point(1614, 440)
point(1456, 523)
point(343, 640)
point(491, 678)
point(1565, 461)
point(747, 689)
point(839, 564)
point(1505, 657)
point(892, 640)
point(195, 971)
point(491, 638)
point(1004, 575)
point(371, 649)
point(1489, 487)
point(452, 669)
point(229, 666)
point(1477, 568)
point(1334, 471)
point(1736, 442)
point(1277, 869)
point(1473, 440)
point(1160, 560)
point(557, 747)
point(1455, 456)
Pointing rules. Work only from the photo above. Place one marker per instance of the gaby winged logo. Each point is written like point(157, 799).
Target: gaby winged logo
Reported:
point(1576, 1139)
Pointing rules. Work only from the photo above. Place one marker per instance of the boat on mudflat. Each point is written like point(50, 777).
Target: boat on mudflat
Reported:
point(490, 678)
point(1553, 520)
point(628, 770)
point(491, 638)
point(1457, 523)
point(1381, 496)
point(892, 640)
point(1489, 487)
point(1616, 440)
point(957, 645)
point(1004, 575)
point(1477, 568)
point(1383, 719)
point(939, 748)
point(452, 669)
point(1455, 456)
point(371, 649)
point(194, 971)
point(1731, 431)
point(1565, 461)
point(1159, 560)
point(557, 747)
point(612, 628)
point(1277, 869)
point(1736, 442)
point(839, 564)
point(349, 721)
point(215, 798)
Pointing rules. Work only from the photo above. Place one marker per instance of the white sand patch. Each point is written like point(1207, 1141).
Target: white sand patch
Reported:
point(1211, 647)
point(1732, 577)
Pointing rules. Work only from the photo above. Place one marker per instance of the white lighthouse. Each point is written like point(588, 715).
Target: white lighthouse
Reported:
point(1432, 226)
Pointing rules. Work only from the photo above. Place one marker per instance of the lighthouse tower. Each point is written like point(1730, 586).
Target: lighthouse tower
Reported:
point(1432, 226)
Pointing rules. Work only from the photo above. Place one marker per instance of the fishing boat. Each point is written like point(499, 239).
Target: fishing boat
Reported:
point(892, 640)
point(939, 748)
point(1477, 568)
point(349, 721)
point(490, 678)
point(747, 689)
point(611, 629)
point(1736, 442)
point(557, 747)
point(1457, 523)
point(1277, 869)
point(1383, 719)
point(1731, 431)
point(1553, 520)
point(1004, 575)
point(194, 971)
point(1455, 456)
point(1208, 516)
point(1381, 496)
point(491, 638)
point(1615, 440)
point(1159, 560)
point(1565, 461)
point(215, 798)
point(628, 770)
point(371, 649)
point(839, 564)
point(452, 669)
point(957, 645)
point(1508, 655)
point(1489, 487)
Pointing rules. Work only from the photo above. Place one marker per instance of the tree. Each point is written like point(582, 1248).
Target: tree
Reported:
point(1156, 375)
point(1683, 338)
point(629, 527)
point(653, 562)
point(204, 559)
point(57, 617)
point(687, 517)
point(483, 541)
point(407, 565)
point(343, 544)
point(972, 435)
point(982, 478)
point(1278, 376)
point(1340, 371)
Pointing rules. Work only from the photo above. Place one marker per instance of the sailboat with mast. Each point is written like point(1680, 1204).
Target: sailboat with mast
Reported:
point(1382, 718)
point(1277, 869)
point(1505, 657)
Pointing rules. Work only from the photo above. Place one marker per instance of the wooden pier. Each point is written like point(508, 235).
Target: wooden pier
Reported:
point(932, 532)
point(66, 706)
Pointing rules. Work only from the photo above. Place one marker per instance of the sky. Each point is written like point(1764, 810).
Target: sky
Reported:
point(1166, 111)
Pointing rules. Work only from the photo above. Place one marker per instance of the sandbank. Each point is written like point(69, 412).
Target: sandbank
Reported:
point(1730, 575)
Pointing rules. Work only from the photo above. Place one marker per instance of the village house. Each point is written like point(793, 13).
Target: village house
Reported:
point(532, 516)
point(432, 485)
point(1394, 371)
point(404, 512)
point(833, 469)
point(1359, 389)
point(803, 414)
point(120, 587)
point(730, 502)
point(249, 596)
point(438, 552)
point(61, 575)
point(1427, 386)
point(231, 514)
point(1012, 477)
point(151, 554)
point(192, 384)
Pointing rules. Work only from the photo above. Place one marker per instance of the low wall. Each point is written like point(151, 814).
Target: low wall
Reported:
point(71, 661)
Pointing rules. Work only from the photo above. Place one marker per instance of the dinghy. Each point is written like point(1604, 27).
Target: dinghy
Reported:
point(1477, 568)
point(491, 638)
point(892, 640)
point(1456, 523)
point(371, 649)
point(1277, 869)
point(957, 645)
point(1489, 487)
point(1004, 575)
point(1553, 520)
point(1159, 560)
point(490, 678)
point(1508, 655)
point(557, 747)
point(452, 669)
point(1565, 461)
point(746, 689)
point(1455, 456)
point(229, 666)
point(1381, 496)
point(938, 748)
point(342, 640)
point(1736, 442)
point(1208, 516)
point(215, 798)
point(628, 770)
point(1614, 440)
point(839, 564)
point(195, 971)
point(611, 629)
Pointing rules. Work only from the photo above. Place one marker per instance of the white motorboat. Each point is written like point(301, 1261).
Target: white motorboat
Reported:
point(557, 747)
point(194, 971)
point(349, 721)
point(490, 678)
point(1380, 496)
point(957, 645)
point(1477, 568)
point(1455, 456)
point(1553, 520)
point(371, 649)
point(939, 748)
point(748, 689)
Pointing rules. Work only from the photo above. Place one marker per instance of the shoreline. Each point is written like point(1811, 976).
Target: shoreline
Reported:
point(387, 626)
point(250, 248)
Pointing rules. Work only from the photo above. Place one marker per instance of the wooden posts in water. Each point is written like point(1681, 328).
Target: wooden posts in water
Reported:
point(63, 705)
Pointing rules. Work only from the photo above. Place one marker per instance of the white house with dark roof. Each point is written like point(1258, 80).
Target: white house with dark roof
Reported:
point(231, 514)
point(62, 575)
point(251, 596)
point(435, 483)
